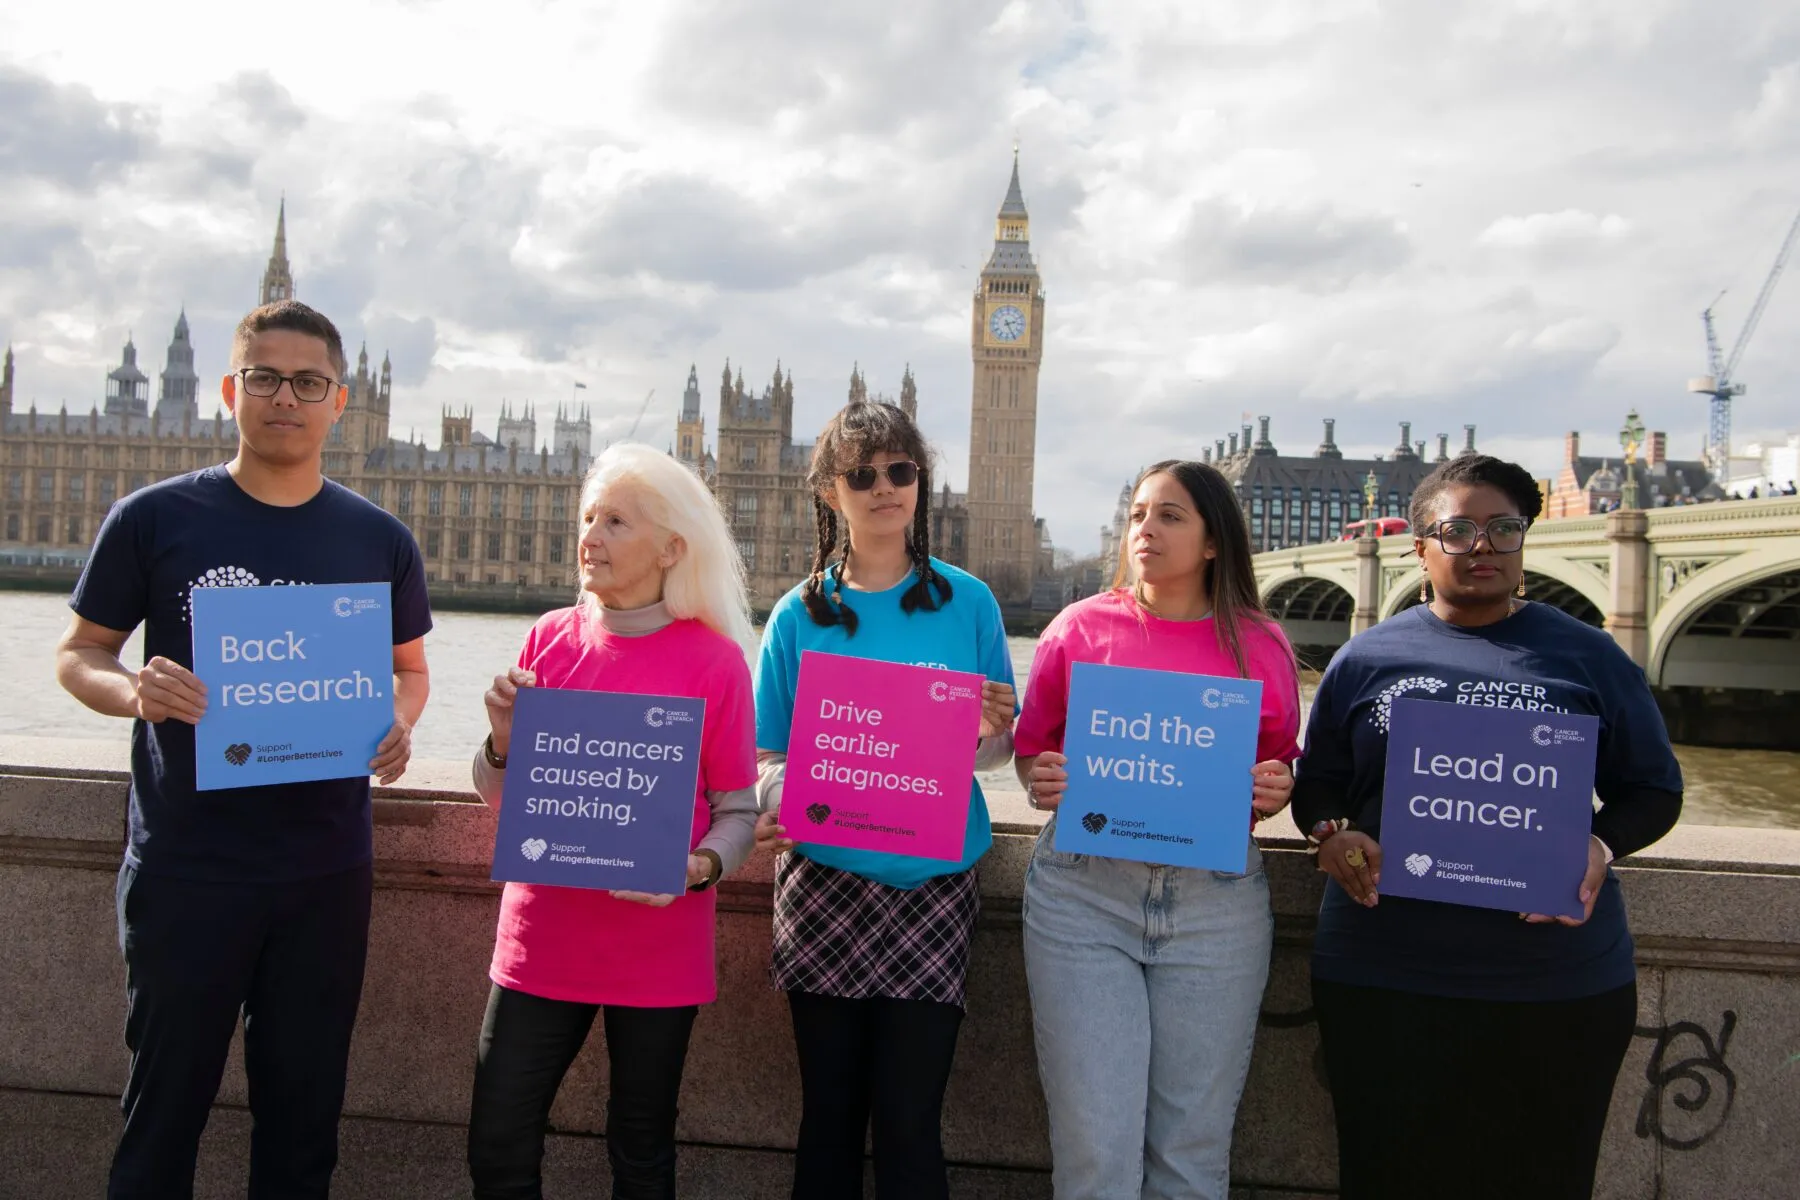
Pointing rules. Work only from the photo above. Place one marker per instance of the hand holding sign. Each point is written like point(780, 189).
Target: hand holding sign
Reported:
point(997, 707)
point(1048, 779)
point(500, 699)
point(1590, 890)
point(167, 689)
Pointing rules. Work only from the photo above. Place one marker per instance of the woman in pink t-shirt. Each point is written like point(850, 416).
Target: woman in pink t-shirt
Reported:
point(661, 612)
point(1146, 980)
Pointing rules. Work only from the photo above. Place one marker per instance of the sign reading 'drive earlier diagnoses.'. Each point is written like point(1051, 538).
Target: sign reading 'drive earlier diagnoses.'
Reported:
point(1490, 807)
point(881, 756)
point(600, 790)
point(299, 682)
point(1159, 766)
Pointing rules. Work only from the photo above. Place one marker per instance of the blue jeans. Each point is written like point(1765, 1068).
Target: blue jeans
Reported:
point(1145, 985)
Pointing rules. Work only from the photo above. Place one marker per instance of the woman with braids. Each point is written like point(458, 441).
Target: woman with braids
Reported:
point(1446, 1026)
point(872, 948)
point(1146, 980)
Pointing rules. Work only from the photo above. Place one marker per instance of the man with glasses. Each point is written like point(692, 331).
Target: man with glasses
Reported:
point(244, 900)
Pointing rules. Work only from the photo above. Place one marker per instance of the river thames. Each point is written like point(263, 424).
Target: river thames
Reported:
point(1724, 787)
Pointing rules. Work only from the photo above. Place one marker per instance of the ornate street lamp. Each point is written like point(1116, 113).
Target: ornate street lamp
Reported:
point(1631, 436)
point(1371, 490)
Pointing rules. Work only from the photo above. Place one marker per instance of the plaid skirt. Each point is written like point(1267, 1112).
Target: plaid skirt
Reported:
point(839, 934)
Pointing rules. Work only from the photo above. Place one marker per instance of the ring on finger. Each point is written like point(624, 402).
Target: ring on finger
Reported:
point(1355, 857)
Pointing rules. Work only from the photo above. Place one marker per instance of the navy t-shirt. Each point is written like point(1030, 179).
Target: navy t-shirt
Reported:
point(203, 530)
point(1538, 658)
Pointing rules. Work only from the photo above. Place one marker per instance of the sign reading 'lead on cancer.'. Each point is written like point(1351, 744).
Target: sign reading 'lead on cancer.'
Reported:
point(1488, 807)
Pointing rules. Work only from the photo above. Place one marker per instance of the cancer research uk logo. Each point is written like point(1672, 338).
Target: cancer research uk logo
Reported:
point(1214, 697)
point(344, 606)
point(1418, 864)
point(1549, 735)
point(942, 690)
point(657, 716)
point(533, 848)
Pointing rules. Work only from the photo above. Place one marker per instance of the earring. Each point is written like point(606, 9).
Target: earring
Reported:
point(1520, 590)
point(1424, 596)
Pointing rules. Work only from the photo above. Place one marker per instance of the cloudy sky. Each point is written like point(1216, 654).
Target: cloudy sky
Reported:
point(1508, 212)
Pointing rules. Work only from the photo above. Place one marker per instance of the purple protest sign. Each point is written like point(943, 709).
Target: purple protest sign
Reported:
point(1488, 807)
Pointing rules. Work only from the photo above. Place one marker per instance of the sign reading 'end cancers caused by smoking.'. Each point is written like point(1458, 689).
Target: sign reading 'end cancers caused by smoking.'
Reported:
point(599, 790)
point(1159, 766)
point(299, 682)
point(1489, 807)
point(881, 756)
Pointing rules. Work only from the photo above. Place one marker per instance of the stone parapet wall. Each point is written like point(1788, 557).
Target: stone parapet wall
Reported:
point(1706, 1104)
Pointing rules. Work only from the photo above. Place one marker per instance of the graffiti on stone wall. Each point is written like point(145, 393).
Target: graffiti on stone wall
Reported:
point(1691, 1086)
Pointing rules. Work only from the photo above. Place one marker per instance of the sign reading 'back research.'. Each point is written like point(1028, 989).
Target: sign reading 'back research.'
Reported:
point(1159, 766)
point(299, 682)
point(1490, 807)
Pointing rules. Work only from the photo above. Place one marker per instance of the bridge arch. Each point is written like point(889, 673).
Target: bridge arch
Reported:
point(1313, 610)
point(1739, 630)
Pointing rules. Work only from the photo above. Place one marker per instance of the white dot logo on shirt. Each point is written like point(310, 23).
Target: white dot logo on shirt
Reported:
point(1382, 714)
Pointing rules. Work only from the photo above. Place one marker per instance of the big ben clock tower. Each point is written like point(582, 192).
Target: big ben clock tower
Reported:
point(1007, 342)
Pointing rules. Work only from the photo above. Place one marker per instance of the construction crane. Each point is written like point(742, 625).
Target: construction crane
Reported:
point(1722, 383)
point(640, 416)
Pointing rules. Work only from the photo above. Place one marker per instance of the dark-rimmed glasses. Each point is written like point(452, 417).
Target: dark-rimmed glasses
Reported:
point(1505, 535)
point(901, 474)
point(308, 388)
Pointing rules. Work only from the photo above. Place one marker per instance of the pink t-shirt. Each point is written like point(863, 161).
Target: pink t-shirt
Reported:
point(582, 945)
point(1110, 628)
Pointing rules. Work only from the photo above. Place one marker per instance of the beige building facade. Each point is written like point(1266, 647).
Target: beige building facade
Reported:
point(497, 510)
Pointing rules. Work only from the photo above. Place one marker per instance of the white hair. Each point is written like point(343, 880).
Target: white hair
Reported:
point(707, 583)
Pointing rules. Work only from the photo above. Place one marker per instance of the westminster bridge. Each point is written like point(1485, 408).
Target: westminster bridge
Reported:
point(1705, 597)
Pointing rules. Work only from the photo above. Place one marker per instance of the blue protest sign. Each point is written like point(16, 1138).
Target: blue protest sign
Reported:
point(1490, 807)
point(600, 790)
point(299, 682)
point(1159, 766)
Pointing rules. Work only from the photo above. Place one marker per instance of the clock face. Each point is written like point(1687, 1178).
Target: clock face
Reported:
point(1006, 324)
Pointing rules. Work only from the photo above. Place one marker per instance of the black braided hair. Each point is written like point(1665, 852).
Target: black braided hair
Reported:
point(858, 432)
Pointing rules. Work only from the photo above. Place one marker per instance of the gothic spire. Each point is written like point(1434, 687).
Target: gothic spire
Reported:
point(278, 277)
point(1014, 204)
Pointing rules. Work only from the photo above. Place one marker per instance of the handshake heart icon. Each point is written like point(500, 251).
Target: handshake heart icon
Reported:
point(1418, 864)
point(533, 848)
point(817, 812)
point(238, 753)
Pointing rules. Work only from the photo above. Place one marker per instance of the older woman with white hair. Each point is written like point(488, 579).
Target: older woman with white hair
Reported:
point(662, 612)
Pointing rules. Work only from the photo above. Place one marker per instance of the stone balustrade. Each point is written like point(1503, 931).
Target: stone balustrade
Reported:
point(1706, 1105)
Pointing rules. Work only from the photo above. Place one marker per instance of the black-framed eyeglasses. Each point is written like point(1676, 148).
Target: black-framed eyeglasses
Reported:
point(308, 388)
point(1505, 535)
point(901, 474)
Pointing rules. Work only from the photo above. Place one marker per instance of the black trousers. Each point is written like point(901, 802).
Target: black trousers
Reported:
point(874, 1067)
point(527, 1044)
point(290, 958)
point(1481, 1100)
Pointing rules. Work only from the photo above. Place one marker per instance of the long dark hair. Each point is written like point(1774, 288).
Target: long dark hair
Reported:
point(859, 431)
point(1228, 578)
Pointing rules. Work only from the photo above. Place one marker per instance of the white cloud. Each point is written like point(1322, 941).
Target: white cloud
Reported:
point(1508, 213)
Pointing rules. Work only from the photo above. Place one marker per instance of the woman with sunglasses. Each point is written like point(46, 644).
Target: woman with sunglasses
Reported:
point(1447, 1026)
point(872, 949)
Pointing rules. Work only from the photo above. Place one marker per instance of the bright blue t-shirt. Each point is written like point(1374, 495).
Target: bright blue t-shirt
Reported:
point(965, 633)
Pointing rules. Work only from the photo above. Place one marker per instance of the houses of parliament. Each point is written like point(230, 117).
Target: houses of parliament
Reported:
point(500, 511)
